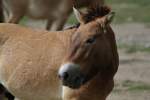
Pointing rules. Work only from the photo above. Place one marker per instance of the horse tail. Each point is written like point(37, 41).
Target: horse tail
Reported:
point(1, 12)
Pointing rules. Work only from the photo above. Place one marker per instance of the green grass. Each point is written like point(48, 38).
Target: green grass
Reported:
point(132, 86)
point(136, 86)
point(139, 87)
point(23, 20)
point(72, 19)
point(131, 10)
point(132, 48)
point(140, 2)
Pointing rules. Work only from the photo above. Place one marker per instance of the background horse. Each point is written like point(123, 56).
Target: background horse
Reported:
point(56, 12)
point(30, 60)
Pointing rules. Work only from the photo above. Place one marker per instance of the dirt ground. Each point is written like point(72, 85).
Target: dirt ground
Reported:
point(132, 81)
point(133, 77)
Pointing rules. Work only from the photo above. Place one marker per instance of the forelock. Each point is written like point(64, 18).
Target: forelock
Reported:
point(95, 12)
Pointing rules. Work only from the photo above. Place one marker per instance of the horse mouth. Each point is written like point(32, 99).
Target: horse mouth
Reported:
point(72, 86)
point(75, 84)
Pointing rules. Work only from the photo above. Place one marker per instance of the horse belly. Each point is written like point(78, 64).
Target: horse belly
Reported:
point(42, 9)
point(15, 7)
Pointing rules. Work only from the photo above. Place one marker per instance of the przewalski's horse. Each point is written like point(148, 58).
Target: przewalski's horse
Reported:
point(55, 11)
point(30, 60)
point(90, 64)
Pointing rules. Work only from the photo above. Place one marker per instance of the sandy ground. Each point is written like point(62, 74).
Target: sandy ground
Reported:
point(134, 69)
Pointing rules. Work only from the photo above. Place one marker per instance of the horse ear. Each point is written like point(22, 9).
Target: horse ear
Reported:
point(78, 15)
point(109, 18)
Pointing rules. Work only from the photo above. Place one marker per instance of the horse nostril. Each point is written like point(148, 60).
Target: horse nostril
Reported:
point(65, 76)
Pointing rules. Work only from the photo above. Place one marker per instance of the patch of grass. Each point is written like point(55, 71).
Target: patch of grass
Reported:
point(72, 19)
point(140, 2)
point(136, 48)
point(136, 86)
point(132, 48)
point(131, 86)
point(140, 87)
point(131, 10)
point(23, 20)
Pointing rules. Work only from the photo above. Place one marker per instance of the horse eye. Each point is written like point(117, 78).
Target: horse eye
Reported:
point(90, 40)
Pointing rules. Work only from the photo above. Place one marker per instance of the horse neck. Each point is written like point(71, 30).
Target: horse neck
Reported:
point(96, 89)
point(112, 41)
point(99, 87)
point(60, 40)
point(65, 36)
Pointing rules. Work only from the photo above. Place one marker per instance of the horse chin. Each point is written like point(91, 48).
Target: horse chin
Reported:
point(72, 86)
point(76, 84)
point(88, 78)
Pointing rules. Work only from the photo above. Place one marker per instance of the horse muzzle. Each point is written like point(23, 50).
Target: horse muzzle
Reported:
point(71, 76)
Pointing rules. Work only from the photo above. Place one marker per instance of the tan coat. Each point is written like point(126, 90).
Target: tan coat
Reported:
point(29, 61)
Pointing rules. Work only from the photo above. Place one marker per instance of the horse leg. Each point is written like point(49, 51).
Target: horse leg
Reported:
point(59, 23)
point(15, 18)
point(62, 17)
point(17, 99)
point(49, 23)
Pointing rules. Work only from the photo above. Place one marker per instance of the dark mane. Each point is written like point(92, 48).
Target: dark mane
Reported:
point(94, 12)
